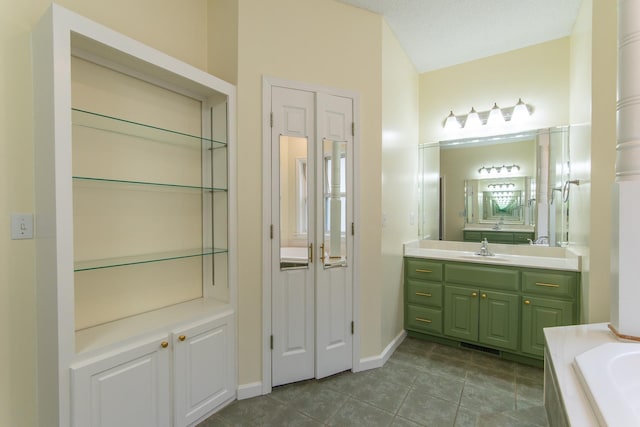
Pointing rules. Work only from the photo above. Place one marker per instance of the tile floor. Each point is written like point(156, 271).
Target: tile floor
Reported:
point(422, 384)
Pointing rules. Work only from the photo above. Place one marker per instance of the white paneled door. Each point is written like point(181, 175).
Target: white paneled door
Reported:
point(312, 239)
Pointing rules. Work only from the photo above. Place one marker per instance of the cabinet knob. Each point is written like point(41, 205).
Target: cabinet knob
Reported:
point(182, 337)
point(474, 294)
point(484, 295)
point(527, 302)
point(164, 344)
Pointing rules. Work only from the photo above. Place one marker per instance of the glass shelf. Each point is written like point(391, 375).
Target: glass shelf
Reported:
point(143, 259)
point(144, 183)
point(141, 130)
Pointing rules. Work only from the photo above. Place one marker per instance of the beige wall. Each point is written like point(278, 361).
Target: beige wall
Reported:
point(223, 39)
point(593, 138)
point(179, 29)
point(399, 173)
point(324, 43)
point(538, 74)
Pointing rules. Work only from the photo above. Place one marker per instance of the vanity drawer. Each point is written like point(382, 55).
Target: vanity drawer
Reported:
point(522, 238)
point(482, 276)
point(472, 236)
point(549, 282)
point(424, 269)
point(424, 293)
point(424, 319)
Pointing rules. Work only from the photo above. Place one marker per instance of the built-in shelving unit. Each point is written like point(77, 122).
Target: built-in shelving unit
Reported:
point(135, 209)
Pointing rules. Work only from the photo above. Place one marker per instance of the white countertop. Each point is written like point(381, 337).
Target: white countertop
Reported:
point(554, 258)
point(505, 228)
point(563, 344)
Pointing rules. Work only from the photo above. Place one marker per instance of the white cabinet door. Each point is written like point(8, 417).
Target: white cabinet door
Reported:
point(203, 368)
point(124, 388)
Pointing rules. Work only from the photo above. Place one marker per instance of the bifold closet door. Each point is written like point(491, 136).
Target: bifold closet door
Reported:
point(292, 281)
point(312, 219)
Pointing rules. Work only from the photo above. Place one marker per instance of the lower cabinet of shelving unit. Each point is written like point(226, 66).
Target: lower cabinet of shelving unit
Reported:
point(171, 379)
point(204, 373)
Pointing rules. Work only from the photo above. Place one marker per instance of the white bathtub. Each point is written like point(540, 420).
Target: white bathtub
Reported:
point(610, 375)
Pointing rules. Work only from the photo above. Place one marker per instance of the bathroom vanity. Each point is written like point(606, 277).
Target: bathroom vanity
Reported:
point(499, 304)
point(510, 236)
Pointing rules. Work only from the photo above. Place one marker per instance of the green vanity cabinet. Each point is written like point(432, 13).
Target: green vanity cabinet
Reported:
point(472, 236)
point(539, 313)
point(495, 236)
point(549, 298)
point(423, 296)
point(461, 312)
point(482, 314)
point(502, 308)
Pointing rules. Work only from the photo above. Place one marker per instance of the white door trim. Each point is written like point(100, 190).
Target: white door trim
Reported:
point(267, 84)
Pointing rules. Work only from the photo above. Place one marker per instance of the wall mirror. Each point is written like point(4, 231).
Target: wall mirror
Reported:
point(455, 175)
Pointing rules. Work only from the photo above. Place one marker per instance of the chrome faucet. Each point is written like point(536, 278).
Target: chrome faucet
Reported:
point(484, 248)
point(499, 224)
point(541, 240)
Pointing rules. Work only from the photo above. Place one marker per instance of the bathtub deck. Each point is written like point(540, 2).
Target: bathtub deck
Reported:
point(563, 344)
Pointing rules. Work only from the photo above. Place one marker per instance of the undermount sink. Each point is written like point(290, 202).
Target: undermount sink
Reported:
point(476, 257)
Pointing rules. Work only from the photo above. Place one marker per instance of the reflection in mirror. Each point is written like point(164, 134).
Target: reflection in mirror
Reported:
point(294, 203)
point(499, 200)
point(448, 171)
point(334, 245)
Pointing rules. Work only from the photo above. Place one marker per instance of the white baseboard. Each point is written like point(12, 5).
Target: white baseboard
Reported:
point(374, 362)
point(247, 391)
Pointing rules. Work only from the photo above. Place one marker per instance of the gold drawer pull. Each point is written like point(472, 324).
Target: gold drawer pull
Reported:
point(182, 337)
point(423, 294)
point(474, 294)
point(484, 295)
point(419, 319)
point(164, 344)
point(421, 270)
point(527, 302)
point(547, 285)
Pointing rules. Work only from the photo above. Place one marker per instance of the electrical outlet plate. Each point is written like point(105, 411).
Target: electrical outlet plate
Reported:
point(21, 226)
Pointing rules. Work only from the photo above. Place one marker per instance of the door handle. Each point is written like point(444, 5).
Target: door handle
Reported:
point(322, 253)
point(310, 253)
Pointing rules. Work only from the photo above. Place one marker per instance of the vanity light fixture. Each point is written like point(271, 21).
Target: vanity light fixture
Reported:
point(486, 170)
point(496, 116)
point(502, 186)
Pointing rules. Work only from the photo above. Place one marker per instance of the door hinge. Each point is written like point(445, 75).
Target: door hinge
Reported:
point(271, 119)
point(271, 342)
point(353, 128)
point(271, 231)
point(353, 229)
point(353, 327)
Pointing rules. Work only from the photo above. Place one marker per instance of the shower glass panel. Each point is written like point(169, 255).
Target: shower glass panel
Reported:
point(295, 249)
point(334, 243)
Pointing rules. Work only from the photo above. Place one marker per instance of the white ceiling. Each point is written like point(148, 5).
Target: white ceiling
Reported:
point(441, 33)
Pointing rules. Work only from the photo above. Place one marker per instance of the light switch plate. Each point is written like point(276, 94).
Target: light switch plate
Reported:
point(21, 226)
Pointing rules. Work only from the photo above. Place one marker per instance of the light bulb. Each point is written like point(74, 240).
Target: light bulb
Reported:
point(473, 120)
point(520, 112)
point(495, 116)
point(451, 123)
